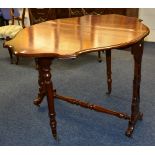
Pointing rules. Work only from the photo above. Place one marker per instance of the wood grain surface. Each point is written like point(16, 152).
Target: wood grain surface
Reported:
point(69, 37)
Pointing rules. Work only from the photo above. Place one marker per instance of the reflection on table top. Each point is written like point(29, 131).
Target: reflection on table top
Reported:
point(63, 38)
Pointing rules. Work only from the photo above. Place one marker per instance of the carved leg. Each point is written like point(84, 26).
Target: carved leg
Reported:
point(42, 90)
point(44, 69)
point(109, 79)
point(137, 51)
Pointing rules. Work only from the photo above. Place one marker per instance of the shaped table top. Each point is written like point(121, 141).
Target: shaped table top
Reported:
point(69, 37)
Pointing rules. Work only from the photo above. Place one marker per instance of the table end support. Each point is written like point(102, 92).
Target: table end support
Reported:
point(132, 124)
point(137, 51)
point(46, 89)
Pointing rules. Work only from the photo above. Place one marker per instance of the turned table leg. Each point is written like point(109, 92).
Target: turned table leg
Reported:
point(137, 51)
point(42, 90)
point(108, 63)
point(46, 89)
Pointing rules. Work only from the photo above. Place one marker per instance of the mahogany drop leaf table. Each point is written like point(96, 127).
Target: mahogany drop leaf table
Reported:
point(70, 37)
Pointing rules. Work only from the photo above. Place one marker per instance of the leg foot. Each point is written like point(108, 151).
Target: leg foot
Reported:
point(38, 101)
point(132, 124)
point(129, 131)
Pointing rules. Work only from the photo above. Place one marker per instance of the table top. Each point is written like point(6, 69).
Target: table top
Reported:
point(69, 37)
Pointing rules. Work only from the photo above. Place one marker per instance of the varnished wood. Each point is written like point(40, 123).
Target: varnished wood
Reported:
point(77, 12)
point(42, 88)
point(108, 63)
point(93, 107)
point(137, 51)
point(80, 34)
point(47, 89)
point(99, 56)
point(68, 38)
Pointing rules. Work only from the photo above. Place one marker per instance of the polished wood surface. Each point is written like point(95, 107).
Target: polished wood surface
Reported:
point(77, 12)
point(70, 37)
point(37, 15)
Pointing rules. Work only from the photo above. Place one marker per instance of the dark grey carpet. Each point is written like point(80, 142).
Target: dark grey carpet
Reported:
point(22, 123)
